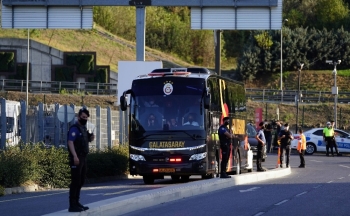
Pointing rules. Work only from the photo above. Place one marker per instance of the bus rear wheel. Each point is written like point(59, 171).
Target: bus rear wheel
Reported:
point(148, 179)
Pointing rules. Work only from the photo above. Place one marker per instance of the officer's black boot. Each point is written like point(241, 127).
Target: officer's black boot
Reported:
point(73, 206)
point(81, 206)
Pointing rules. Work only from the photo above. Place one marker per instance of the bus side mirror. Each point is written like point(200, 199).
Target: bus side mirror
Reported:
point(123, 103)
point(207, 101)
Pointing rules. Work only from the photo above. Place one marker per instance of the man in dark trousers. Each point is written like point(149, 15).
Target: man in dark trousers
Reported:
point(286, 137)
point(261, 143)
point(225, 141)
point(268, 135)
point(78, 148)
point(335, 145)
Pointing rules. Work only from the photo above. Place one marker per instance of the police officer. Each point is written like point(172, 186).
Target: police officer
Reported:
point(286, 137)
point(260, 136)
point(78, 148)
point(225, 141)
point(335, 145)
point(328, 137)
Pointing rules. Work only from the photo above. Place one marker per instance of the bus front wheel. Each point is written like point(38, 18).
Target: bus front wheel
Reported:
point(148, 179)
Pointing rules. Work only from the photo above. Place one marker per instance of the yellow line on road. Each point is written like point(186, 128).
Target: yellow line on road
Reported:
point(119, 192)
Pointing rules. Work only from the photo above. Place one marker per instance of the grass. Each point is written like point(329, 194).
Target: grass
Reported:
point(108, 52)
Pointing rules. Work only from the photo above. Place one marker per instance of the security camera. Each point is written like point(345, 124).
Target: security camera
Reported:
point(339, 61)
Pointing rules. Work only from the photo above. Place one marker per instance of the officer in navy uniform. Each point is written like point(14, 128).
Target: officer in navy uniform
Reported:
point(225, 141)
point(78, 148)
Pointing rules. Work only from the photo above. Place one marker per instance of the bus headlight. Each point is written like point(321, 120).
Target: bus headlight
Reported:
point(136, 157)
point(198, 156)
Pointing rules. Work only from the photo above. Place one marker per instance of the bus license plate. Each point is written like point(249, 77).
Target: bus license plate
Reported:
point(167, 170)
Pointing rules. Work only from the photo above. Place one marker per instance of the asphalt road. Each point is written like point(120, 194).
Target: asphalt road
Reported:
point(44, 202)
point(322, 188)
point(319, 171)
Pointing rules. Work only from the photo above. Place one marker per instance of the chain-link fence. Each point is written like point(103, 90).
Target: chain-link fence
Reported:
point(49, 123)
point(308, 116)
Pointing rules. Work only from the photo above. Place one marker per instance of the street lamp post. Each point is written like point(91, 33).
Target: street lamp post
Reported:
point(335, 88)
point(281, 84)
point(297, 98)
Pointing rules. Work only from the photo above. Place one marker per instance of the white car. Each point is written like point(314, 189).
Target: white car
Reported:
point(315, 143)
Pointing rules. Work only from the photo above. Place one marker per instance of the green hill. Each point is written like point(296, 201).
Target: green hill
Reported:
point(109, 48)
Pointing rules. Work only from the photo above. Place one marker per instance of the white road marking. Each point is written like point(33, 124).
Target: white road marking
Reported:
point(317, 186)
point(249, 190)
point(345, 166)
point(341, 178)
point(316, 161)
point(260, 213)
point(119, 192)
point(33, 197)
point(330, 182)
point(301, 193)
point(94, 194)
point(281, 202)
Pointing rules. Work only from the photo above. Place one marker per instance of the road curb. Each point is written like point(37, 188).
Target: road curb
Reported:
point(132, 202)
point(21, 189)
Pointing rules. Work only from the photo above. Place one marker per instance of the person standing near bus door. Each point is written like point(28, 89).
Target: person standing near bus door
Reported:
point(225, 141)
point(260, 136)
point(301, 148)
point(78, 148)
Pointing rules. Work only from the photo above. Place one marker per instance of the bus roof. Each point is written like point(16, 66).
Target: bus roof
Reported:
point(185, 72)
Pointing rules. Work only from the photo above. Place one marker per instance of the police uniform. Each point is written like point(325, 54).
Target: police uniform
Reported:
point(79, 136)
point(225, 144)
point(328, 134)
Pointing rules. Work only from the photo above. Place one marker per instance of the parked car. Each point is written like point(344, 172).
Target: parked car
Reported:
point(251, 131)
point(315, 143)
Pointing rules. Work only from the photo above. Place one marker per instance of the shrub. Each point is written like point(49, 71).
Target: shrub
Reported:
point(54, 170)
point(2, 191)
point(18, 166)
point(108, 162)
point(49, 166)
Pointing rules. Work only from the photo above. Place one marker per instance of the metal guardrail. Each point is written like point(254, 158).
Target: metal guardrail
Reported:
point(58, 87)
point(254, 94)
point(289, 96)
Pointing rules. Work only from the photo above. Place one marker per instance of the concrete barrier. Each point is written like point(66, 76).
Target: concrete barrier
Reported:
point(132, 202)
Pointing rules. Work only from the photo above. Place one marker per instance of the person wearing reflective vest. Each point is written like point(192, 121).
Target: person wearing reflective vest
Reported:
point(301, 148)
point(78, 148)
point(328, 137)
point(225, 141)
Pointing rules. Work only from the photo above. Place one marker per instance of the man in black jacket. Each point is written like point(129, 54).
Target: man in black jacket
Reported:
point(225, 137)
point(286, 137)
point(78, 148)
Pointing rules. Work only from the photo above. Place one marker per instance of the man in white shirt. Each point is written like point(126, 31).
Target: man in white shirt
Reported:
point(191, 121)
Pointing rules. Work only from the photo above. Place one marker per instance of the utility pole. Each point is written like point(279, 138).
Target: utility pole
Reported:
point(297, 98)
point(335, 88)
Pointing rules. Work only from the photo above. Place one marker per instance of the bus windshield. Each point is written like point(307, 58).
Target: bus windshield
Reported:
point(167, 103)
